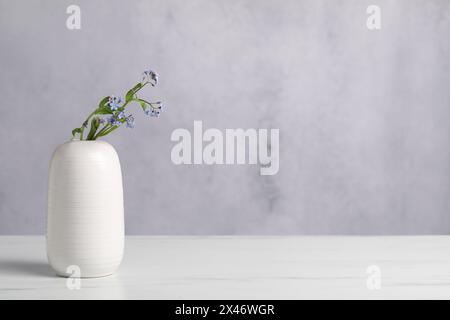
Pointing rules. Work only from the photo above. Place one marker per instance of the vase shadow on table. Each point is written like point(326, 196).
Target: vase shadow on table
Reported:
point(24, 267)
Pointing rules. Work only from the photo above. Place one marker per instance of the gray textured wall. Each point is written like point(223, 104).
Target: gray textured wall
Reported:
point(363, 115)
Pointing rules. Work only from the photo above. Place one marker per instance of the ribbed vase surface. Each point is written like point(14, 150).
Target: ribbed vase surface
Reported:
point(85, 222)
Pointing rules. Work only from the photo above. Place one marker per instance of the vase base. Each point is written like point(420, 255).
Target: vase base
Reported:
point(89, 276)
point(83, 272)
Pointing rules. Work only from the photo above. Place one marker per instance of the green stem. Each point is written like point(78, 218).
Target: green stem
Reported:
point(94, 128)
point(111, 129)
point(86, 122)
point(106, 127)
point(146, 102)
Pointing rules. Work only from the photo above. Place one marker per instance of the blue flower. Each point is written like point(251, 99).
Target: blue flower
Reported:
point(121, 115)
point(114, 102)
point(150, 76)
point(130, 121)
point(114, 121)
point(152, 112)
point(157, 105)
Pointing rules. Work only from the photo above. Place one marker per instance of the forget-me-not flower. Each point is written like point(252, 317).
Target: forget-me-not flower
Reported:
point(150, 76)
point(114, 121)
point(130, 121)
point(152, 112)
point(121, 115)
point(114, 102)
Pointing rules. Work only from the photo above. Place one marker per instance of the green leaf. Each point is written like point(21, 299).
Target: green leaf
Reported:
point(132, 92)
point(130, 96)
point(104, 110)
point(143, 104)
point(103, 102)
point(75, 131)
point(95, 122)
point(108, 131)
point(103, 107)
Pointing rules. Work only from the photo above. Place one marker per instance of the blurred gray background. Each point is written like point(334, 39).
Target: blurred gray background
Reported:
point(364, 116)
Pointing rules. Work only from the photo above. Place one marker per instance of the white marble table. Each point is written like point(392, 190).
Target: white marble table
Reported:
point(320, 267)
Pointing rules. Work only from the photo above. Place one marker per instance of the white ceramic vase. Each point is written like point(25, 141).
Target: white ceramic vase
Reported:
point(85, 223)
